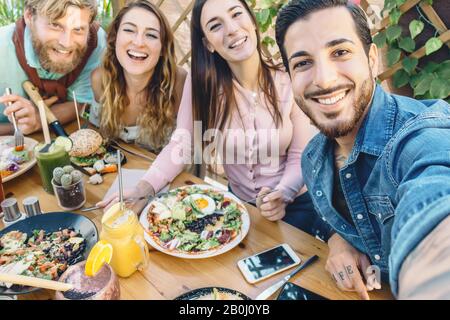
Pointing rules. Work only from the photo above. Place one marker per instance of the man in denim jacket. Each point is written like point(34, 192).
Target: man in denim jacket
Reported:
point(379, 171)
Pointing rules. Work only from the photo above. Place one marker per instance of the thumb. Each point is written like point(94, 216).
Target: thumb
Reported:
point(50, 101)
point(264, 191)
point(261, 194)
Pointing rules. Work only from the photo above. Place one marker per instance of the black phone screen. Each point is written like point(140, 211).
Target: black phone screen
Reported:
point(292, 291)
point(268, 262)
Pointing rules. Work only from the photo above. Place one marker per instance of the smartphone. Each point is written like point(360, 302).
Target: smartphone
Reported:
point(267, 263)
point(292, 291)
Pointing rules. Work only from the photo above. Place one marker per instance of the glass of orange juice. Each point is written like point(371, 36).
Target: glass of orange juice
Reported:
point(121, 228)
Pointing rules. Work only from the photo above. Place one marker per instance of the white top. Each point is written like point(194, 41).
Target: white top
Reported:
point(127, 134)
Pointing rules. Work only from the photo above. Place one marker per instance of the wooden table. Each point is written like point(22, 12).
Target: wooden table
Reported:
point(167, 277)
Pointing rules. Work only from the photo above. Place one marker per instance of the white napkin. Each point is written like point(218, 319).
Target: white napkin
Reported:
point(130, 177)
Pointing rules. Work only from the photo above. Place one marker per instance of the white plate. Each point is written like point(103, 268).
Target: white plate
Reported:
point(24, 167)
point(210, 253)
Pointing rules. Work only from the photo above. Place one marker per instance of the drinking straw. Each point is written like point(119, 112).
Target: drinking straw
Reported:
point(76, 110)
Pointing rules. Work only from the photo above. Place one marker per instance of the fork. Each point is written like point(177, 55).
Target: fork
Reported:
point(19, 140)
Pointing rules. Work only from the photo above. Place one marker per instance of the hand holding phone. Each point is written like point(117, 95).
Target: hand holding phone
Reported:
point(268, 263)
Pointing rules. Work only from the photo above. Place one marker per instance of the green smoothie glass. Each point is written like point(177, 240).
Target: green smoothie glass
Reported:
point(56, 156)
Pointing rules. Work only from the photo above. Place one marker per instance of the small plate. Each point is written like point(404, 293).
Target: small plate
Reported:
point(112, 151)
point(24, 167)
point(51, 222)
point(197, 294)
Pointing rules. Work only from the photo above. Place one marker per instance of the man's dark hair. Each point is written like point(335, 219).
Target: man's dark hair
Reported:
point(301, 9)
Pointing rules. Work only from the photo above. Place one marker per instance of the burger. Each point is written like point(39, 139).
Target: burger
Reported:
point(87, 147)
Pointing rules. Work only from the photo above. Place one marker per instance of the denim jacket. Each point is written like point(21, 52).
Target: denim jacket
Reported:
point(396, 180)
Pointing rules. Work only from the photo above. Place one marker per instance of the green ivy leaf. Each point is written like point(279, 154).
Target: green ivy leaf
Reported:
point(394, 16)
point(443, 71)
point(273, 12)
point(432, 45)
point(268, 41)
point(380, 39)
point(431, 67)
point(414, 79)
point(400, 78)
point(423, 84)
point(393, 32)
point(393, 56)
point(410, 64)
point(415, 28)
point(389, 5)
point(264, 16)
point(407, 44)
point(426, 96)
point(439, 89)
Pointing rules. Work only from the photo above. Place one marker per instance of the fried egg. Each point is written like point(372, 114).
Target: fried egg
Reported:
point(204, 203)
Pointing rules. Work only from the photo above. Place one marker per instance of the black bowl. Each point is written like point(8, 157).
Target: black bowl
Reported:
point(51, 222)
point(198, 293)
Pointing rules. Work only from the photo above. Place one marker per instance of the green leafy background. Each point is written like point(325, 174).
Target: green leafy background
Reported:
point(11, 10)
point(432, 81)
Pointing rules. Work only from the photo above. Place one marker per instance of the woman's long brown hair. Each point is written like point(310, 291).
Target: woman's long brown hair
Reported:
point(213, 98)
point(158, 118)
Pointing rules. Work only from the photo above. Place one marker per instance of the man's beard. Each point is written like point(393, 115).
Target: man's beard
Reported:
point(341, 129)
point(43, 52)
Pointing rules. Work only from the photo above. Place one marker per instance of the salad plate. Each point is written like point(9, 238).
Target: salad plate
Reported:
point(33, 242)
point(213, 293)
point(13, 164)
point(195, 222)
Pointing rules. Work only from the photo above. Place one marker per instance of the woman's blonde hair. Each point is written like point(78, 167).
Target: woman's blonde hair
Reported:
point(158, 118)
point(56, 9)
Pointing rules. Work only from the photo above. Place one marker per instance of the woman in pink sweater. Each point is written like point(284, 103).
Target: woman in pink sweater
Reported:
point(243, 103)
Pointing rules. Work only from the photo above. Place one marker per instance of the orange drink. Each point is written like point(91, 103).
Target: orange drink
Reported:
point(123, 231)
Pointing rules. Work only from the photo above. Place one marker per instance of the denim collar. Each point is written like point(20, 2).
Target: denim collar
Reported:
point(377, 127)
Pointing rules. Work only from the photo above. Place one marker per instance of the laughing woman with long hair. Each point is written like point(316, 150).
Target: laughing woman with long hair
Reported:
point(139, 85)
point(244, 103)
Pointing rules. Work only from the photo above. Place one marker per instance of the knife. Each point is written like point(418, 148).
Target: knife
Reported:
point(273, 288)
point(52, 121)
point(114, 144)
point(81, 169)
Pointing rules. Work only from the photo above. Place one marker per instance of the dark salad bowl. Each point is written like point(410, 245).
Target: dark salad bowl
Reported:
point(198, 293)
point(51, 222)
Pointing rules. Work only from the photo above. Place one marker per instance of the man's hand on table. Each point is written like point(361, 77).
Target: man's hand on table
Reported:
point(27, 115)
point(346, 264)
point(271, 204)
point(142, 189)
